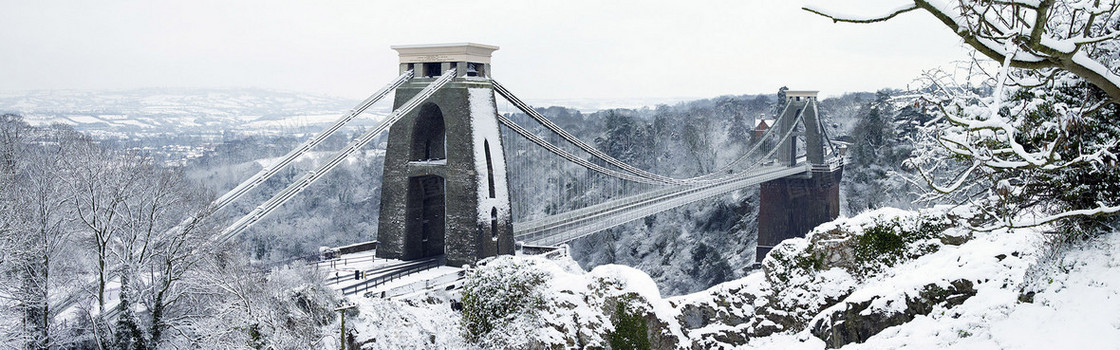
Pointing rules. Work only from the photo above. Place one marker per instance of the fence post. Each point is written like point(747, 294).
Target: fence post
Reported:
point(342, 317)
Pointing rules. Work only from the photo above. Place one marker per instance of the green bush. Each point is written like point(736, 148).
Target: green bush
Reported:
point(879, 242)
point(630, 330)
point(498, 292)
point(888, 242)
point(808, 262)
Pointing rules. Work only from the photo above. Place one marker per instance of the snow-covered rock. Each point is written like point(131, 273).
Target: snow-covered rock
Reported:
point(1000, 289)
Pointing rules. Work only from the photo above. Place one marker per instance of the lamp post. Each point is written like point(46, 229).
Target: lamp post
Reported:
point(342, 318)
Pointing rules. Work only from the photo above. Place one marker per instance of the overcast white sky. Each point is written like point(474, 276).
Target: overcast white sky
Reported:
point(549, 49)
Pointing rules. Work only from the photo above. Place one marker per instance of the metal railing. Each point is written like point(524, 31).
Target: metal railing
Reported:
point(394, 274)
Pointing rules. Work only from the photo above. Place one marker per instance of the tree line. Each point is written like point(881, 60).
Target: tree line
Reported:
point(107, 227)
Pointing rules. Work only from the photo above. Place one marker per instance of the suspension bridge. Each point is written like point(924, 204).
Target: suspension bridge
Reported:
point(462, 182)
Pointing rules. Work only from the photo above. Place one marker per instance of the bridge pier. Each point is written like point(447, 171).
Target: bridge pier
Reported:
point(791, 207)
point(444, 183)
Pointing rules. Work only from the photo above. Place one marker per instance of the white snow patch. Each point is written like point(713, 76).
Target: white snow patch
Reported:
point(132, 122)
point(484, 124)
point(635, 280)
point(1075, 306)
point(398, 325)
point(84, 119)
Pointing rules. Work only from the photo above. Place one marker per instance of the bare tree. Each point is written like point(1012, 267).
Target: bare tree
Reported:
point(156, 249)
point(60, 189)
point(35, 232)
point(101, 181)
point(284, 308)
point(1075, 36)
point(12, 133)
point(1034, 140)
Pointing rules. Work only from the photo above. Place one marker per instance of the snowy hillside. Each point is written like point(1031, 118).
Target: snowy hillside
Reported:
point(945, 288)
point(154, 111)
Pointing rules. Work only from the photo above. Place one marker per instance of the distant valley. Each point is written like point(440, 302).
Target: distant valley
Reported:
point(140, 112)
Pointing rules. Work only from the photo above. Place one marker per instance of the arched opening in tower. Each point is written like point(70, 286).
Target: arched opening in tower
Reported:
point(489, 168)
point(494, 230)
point(429, 136)
point(426, 216)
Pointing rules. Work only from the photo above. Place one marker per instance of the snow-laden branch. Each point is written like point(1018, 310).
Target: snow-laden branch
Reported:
point(837, 17)
point(1101, 210)
point(967, 174)
point(987, 25)
point(992, 144)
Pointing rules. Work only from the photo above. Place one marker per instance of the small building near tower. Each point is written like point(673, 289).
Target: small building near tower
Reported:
point(761, 125)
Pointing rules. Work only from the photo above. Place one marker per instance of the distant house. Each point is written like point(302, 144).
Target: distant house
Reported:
point(761, 125)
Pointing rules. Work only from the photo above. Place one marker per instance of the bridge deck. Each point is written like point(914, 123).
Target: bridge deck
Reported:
point(565, 227)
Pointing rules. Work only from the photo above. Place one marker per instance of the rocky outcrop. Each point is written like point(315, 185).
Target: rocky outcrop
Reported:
point(632, 314)
point(855, 322)
point(806, 287)
point(803, 278)
point(730, 316)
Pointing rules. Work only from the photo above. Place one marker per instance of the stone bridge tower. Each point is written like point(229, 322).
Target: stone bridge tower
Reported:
point(790, 207)
point(444, 183)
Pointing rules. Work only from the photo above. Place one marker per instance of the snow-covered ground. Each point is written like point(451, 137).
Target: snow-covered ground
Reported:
point(385, 324)
point(1028, 295)
point(1076, 297)
point(1076, 302)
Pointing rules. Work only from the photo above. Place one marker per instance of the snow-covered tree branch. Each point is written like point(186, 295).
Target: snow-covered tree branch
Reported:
point(1078, 36)
point(861, 19)
point(1026, 136)
point(1024, 155)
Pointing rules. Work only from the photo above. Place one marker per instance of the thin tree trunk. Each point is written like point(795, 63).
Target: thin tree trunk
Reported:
point(100, 279)
point(35, 316)
point(129, 335)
